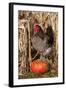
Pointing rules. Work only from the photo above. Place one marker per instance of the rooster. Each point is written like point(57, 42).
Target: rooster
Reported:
point(42, 39)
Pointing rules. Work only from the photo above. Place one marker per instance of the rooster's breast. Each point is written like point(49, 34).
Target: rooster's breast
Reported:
point(38, 43)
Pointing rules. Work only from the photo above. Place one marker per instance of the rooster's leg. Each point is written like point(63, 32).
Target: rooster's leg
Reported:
point(42, 57)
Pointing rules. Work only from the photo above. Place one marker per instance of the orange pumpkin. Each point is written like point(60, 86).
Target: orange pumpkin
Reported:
point(39, 66)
